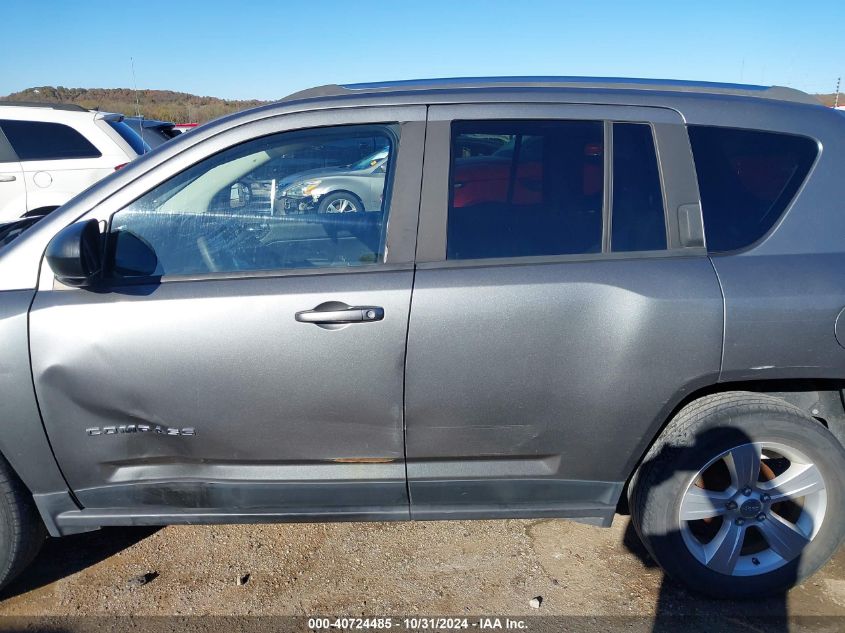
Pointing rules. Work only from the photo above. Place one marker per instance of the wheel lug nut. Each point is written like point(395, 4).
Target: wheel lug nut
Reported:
point(740, 521)
point(764, 497)
point(746, 491)
point(761, 517)
point(731, 505)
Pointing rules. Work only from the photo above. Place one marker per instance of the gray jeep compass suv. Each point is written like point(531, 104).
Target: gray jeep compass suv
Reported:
point(570, 297)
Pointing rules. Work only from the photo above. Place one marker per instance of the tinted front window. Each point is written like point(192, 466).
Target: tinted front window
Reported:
point(36, 140)
point(130, 136)
point(290, 200)
point(523, 188)
point(638, 222)
point(746, 179)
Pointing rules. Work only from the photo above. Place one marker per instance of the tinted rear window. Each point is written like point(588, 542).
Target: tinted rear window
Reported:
point(746, 179)
point(525, 188)
point(37, 140)
point(130, 136)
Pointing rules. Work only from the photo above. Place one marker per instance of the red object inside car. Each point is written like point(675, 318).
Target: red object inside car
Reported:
point(487, 179)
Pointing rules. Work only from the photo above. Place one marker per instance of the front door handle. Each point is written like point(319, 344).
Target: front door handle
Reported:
point(359, 314)
point(7, 178)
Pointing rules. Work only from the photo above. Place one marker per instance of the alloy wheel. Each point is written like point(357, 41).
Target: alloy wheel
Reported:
point(753, 509)
point(341, 205)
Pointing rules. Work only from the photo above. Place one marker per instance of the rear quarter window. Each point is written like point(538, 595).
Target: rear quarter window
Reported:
point(38, 140)
point(747, 179)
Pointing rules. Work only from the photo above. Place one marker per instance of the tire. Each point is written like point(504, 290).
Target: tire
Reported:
point(693, 513)
point(21, 530)
point(337, 199)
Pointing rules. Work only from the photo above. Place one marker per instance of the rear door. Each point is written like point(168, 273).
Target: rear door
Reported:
point(241, 360)
point(563, 304)
point(12, 187)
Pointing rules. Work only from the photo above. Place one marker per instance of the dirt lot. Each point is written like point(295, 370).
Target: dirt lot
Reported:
point(349, 569)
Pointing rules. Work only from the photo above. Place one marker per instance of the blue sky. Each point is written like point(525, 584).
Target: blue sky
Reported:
point(265, 49)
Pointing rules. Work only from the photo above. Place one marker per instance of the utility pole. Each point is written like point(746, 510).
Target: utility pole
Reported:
point(836, 98)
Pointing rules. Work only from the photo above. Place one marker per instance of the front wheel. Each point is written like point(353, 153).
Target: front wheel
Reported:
point(340, 202)
point(743, 495)
point(21, 529)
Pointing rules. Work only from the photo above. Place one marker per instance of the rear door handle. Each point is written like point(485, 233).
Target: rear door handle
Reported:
point(7, 178)
point(359, 314)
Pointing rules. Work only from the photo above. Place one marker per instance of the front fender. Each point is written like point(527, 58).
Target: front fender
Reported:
point(23, 440)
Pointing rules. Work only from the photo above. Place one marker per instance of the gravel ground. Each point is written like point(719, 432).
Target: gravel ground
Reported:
point(350, 569)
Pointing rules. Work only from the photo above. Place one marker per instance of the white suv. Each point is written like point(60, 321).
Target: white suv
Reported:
point(51, 152)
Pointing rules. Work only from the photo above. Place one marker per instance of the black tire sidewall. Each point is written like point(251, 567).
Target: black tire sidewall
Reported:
point(659, 524)
point(8, 535)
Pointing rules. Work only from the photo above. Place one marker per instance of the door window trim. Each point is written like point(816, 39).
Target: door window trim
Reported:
point(400, 243)
point(110, 279)
point(674, 156)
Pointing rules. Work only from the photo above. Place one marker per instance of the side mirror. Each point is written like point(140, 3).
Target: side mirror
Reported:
point(75, 254)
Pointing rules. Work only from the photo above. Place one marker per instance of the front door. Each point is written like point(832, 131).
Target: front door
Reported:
point(244, 356)
point(563, 304)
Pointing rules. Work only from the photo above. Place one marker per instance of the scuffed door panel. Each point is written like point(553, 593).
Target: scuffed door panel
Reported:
point(534, 389)
point(232, 402)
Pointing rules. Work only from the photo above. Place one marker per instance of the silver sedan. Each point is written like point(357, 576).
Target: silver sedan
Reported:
point(347, 189)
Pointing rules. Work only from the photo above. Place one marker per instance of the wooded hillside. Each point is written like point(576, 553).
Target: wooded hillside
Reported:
point(166, 105)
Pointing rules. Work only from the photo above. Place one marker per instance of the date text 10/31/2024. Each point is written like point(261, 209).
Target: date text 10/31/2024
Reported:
point(417, 623)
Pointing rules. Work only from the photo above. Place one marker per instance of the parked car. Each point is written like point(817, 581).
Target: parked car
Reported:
point(643, 313)
point(274, 188)
point(347, 189)
point(153, 132)
point(51, 152)
point(185, 127)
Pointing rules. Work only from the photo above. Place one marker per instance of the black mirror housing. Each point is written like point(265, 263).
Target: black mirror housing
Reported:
point(75, 254)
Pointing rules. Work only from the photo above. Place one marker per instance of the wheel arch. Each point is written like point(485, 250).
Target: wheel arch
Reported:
point(348, 192)
point(823, 399)
point(23, 441)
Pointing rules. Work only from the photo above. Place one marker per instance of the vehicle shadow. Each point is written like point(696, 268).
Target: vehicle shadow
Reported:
point(62, 557)
point(677, 607)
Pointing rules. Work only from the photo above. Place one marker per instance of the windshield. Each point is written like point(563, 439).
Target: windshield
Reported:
point(372, 160)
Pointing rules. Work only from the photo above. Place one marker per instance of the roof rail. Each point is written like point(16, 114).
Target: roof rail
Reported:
point(779, 93)
point(329, 90)
point(41, 104)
